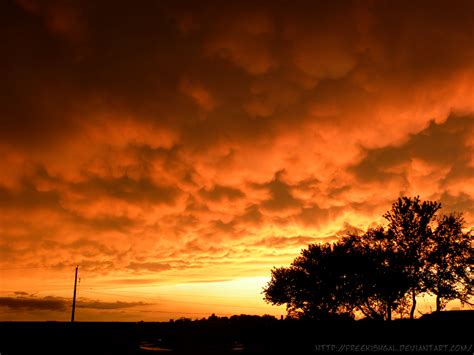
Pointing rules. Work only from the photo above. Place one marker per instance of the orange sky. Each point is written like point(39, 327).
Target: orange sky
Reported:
point(178, 150)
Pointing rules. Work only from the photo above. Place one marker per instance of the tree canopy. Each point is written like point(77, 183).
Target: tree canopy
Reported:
point(383, 270)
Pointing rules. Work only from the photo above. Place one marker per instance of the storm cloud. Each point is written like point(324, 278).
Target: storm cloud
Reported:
point(211, 139)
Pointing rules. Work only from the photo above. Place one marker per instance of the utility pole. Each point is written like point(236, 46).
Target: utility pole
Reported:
point(74, 297)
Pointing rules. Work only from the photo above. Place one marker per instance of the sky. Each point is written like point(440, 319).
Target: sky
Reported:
point(178, 150)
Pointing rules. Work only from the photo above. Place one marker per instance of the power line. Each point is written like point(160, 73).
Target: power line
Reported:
point(131, 294)
point(172, 294)
point(151, 298)
point(61, 288)
point(80, 289)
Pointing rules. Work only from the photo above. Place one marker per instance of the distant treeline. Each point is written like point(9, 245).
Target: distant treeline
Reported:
point(248, 334)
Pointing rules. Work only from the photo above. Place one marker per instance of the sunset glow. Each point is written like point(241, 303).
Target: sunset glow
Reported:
point(178, 150)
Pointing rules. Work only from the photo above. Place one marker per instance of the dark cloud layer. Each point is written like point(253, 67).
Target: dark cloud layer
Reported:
point(83, 60)
point(57, 304)
point(30, 303)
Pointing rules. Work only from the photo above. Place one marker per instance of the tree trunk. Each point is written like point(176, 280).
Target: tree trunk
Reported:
point(413, 305)
point(389, 312)
point(438, 296)
point(363, 312)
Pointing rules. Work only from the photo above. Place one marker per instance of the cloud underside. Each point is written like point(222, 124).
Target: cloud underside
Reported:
point(210, 140)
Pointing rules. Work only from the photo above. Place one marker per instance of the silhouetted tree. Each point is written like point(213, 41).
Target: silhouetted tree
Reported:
point(381, 271)
point(381, 284)
point(410, 223)
point(311, 286)
point(355, 273)
point(450, 261)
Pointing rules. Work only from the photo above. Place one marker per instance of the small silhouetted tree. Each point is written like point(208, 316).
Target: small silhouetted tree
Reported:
point(409, 222)
point(450, 261)
point(358, 280)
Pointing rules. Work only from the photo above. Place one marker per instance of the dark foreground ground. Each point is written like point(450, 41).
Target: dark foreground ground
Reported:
point(449, 332)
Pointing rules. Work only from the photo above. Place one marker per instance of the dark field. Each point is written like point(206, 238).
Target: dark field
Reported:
point(446, 332)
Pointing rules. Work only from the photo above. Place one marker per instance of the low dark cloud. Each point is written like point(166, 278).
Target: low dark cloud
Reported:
point(23, 303)
point(34, 304)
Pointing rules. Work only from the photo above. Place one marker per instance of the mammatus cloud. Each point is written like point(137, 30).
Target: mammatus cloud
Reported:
point(214, 141)
point(436, 162)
